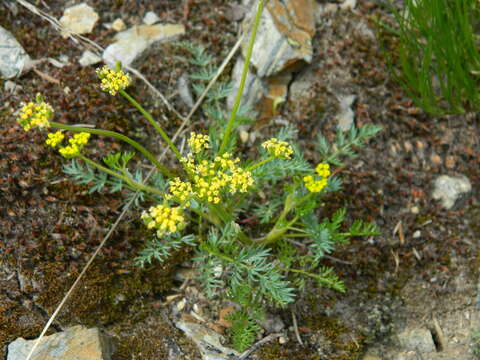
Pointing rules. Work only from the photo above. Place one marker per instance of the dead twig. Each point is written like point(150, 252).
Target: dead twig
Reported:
point(295, 328)
point(259, 343)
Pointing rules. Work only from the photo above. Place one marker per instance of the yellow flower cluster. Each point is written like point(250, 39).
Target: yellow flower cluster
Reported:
point(180, 190)
point(77, 142)
point(35, 114)
point(54, 139)
point(314, 185)
point(278, 149)
point(113, 81)
point(165, 219)
point(323, 170)
point(198, 142)
point(210, 179)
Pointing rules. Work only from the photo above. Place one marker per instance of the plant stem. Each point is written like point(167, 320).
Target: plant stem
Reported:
point(118, 136)
point(150, 119)
point(263, 162)
point(238, 98)
point(128, 180)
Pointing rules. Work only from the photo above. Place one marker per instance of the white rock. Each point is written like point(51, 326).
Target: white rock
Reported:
point(150, 18)
point(134, 41)
point(417, 339)
point(13, 59)
point(345, 115)
point(78, 19)
point(118, 25)
point(348, 5)
point(89, 58)
point(280, 42)
point(208, 341)
point(448, 189)
point(183, 87)
point(75, 343)
point(11, 87)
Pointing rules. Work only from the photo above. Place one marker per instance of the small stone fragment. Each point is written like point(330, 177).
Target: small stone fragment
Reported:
point(118, 25)
point(150, 18)
point(208, 341)
point(450, 162)
point(435, 159)
point(78, 19)
point(134, 41)
point(284, 38)
point(417, 339)
point(75, 343)
point(89, 58)
point(244, 136)
point(272, 323)
point(13, 58)
point(11, 87)
point(348, 4)
point(184, 91)
point(345, 115)
point(448, 189)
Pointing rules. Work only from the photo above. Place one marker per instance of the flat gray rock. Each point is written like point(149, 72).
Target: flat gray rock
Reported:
point(13, 58)
point(75, 343)
point(132, 42)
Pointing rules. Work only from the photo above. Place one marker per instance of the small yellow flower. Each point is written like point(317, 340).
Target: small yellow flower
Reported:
point(164, 218)
point(54, 139)
point(278, 149)
point(323, 170)
point(313, 185)
point(35, 114)
point(180, 190)
point(198, 142)
point(77, 142)
point(113, 81)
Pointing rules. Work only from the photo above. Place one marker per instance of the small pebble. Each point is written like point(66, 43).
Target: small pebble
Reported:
point(118, 25)
point(417, 234)
point(449, 162)
point(282, 340)
point(181, 304)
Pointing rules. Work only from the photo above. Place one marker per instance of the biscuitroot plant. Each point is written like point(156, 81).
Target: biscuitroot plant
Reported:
point(254, 225)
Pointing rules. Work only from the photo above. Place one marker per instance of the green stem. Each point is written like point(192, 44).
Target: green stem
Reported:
point(127, 179)
point(118, 136)
point(150, 119)
point(238, 98)
point(263, 162)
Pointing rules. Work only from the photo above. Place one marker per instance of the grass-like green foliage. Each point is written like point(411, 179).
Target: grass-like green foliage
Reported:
point(438, 57)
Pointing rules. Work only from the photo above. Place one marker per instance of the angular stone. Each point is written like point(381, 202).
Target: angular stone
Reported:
point(134, 41)
point(417, 339)
point(89, 58)
point(345, 114)
point(118, 25)
point(13, 59)
point(449, 188)
point(284, 36)
point(150, 18)
point(208, 341)
point(78, 19)
point(75, 343)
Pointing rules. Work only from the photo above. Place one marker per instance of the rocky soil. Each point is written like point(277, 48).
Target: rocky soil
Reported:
point(412, 291)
